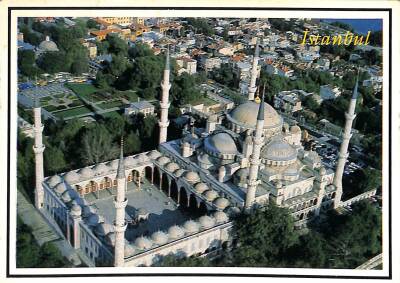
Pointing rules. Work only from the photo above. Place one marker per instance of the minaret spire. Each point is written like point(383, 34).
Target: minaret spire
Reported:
point(120, 203)
point(252, 180)
point(343, 153)
point(254, 72)
point(38, 149)
point(164, 104)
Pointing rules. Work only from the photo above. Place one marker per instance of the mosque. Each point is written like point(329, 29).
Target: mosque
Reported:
point(180, 198)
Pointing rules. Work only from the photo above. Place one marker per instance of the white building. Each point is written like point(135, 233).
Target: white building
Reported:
point(329, 92)
point(143, 107)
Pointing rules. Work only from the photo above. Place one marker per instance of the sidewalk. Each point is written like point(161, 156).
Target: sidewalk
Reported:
point(42, 231)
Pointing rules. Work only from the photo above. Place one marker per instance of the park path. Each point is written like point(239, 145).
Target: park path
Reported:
point(43, 232)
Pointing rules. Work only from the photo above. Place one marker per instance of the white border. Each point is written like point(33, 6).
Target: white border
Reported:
point(208, 13)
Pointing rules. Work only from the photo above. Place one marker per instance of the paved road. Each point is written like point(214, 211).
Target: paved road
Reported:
point(371, 263)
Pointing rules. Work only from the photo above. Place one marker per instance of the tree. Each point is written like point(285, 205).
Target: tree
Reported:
point(117, 45)
point(132, 143)
point(91, 24)
point(78, 67)
point(102, 47)
point(26, 63)
point(54, 160)
point(175, 261)
point(97, 146)
point(52, 62)
point(264, 237)
point(148, 93)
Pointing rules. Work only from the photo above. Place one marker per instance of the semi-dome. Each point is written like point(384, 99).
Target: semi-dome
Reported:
point(205, 159)
point(210, 195)
point(221, 203)
point(88, 210)
point(178, 173)
point(191, 226)
point(220, 217)
point(172, 167)
point(129, 161)
point(220, 144)
point(114, 164)
point(162, 160)
point(322, 171)
point(86, 173)
point(143, 243)
point(54, 180)
point(103, 229)
point(159, 238)
point(279, 150)
point(192, 177)
point(48, 45)
point(60, 188)
point(233, 211)
point(201, 187)
point(72, 177)
point(100, 169)
point(245, 115)
point(206, 221)
point(142, 158)
point(154, 154)
point(242, 173)
point(175, 232)
point(76, 210)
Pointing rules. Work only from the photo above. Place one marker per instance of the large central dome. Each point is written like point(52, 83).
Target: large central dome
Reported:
point(245, 115)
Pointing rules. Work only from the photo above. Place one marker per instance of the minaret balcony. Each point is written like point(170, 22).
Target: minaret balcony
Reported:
point(121, 204)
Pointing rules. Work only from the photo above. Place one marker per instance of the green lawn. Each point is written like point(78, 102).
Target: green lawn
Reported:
point(129, 95)
point(113, 114)
point(111, 104)
point(205, 100)
point(72, 112)
point(83, 90)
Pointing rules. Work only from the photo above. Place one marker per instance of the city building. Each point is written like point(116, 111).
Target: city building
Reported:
point(144, 107)
point(287, 101)
point(329, 92)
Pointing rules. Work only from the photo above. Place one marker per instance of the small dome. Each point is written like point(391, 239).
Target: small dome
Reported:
point(172, 167)
point(142, 158)
point(100, 169)
point(159, 238)
point(114, 164)
point(291, 170)
point(279, 150)
point(192, 177)
point(221, 203)
point(129, 161)
point(278, 184)
point(175, 232)
point(295, 129)
point(219, 144)
point(72, 177)
point(110, 239)
point(154, 154)
point(201, 187)
point(86, 172)
point(143, 243)
point(54, 180)
point(162, 160)
point(245, 115)
point(76, 210)
point(142, 211)
point(220, 217)
point(60, 188)
point(206, 222)
point(242, 172)
point(204, 158)
point(210, 195)
point(322, 171)
point(128, 249)
point(191, 226)
point(103, 229)
point(233, 211)
point(178, 173)
point(48, 45)
point(67, 196)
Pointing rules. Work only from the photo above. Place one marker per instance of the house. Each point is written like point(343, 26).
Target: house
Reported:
point(144, 107)
point(329, 92)
point(287, 101)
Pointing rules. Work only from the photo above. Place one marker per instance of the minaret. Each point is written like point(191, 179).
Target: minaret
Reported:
point(38, 149)
point(165, 86)
point(343, 153)
point(120, 203)
point(252, 181)
point(254, 72)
